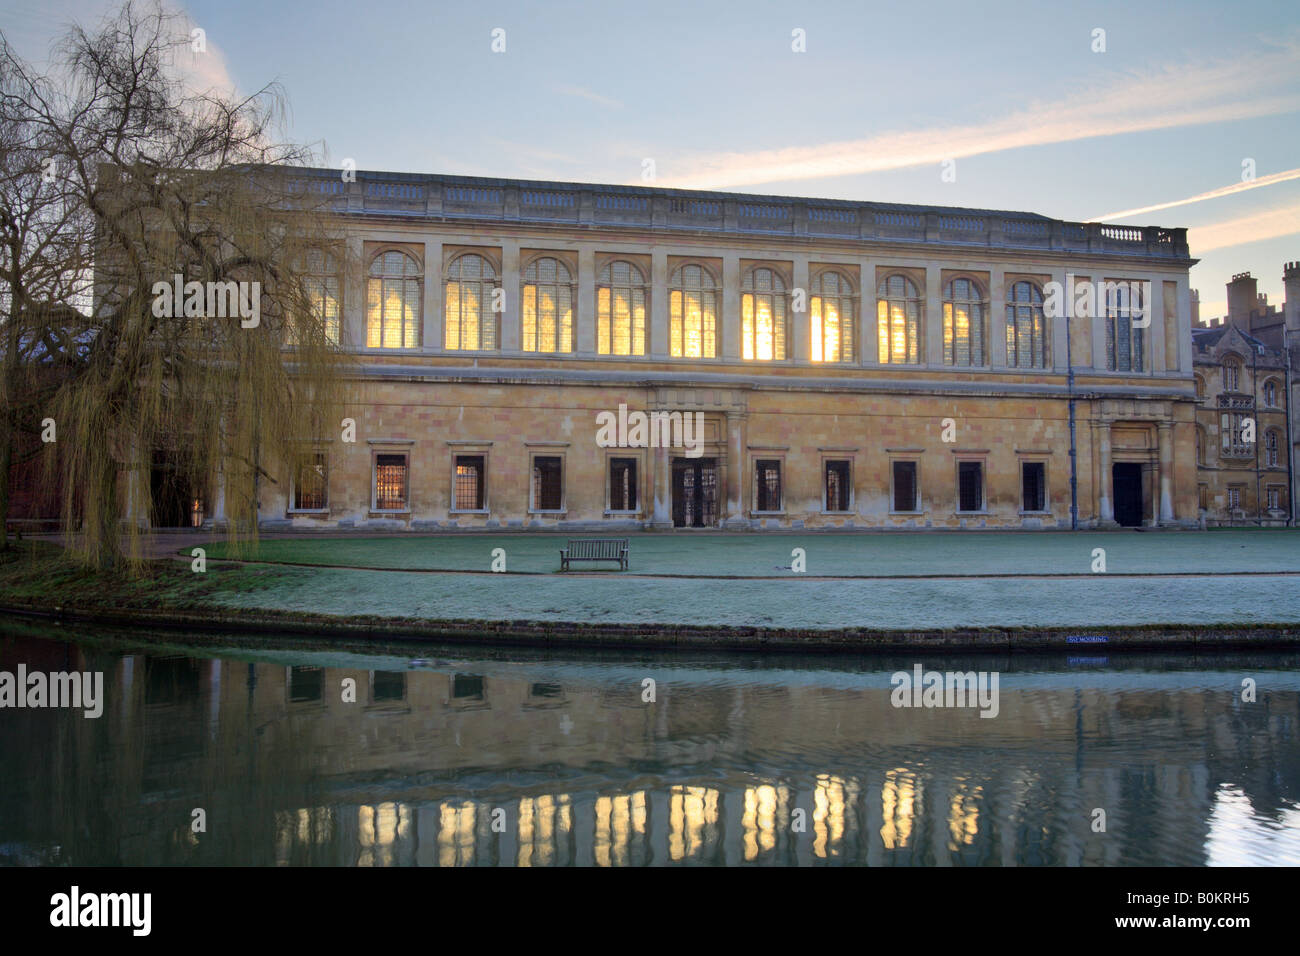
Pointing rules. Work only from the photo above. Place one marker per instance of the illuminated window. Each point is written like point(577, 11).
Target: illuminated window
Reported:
point(767, 484)
point(310, 482)
point(839, 485)
point(970, 486)
point(1026, 327)
point(319, 272)
point(764, 312)
point(1124, 340)
point(906, 488)
point(693, 313)
point(622, 484)
point(898, 321)
point(548, 307)
point(963, 323)
point(393, 298)
point(470, 473)
point(390, 482)
point(470, 324)
point(620, 310)
point(831, 312)
point(548, 483)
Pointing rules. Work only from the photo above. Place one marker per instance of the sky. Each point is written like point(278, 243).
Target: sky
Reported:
point(1187, 101)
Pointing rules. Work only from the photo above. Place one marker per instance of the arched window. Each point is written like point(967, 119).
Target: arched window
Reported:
point(831, 314)
point(963, 323)
point(898, 321)
point(1270, 393)
point(1125, 340)
point(548, 295)
point(1231, 374)
point(764, 313)
point(1200, 386)
point(470, 324)
point(1271, 446)
point(393, 301)
point(1026, 327)
point(319, 272)
point(693, 314)
point(620, 310)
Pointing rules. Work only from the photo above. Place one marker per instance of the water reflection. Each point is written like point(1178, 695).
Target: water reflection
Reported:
point(331, 758)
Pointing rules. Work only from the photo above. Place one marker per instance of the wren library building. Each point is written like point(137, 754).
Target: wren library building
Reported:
point(772, 363)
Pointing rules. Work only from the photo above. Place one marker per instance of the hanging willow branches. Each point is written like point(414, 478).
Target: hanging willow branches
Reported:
point(169, 188)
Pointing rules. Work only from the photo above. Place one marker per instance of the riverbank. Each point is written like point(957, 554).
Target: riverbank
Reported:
point(1081, 615)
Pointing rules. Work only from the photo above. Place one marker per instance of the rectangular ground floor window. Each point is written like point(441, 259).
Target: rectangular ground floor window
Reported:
point(767, 484)
point(970, 486)
point(548, 483)
point(622, 484)
point(1033, 486)
point(310, 482)
point(391, 482)
point(1234, 497)
point(470, 476)
point(839, 485)
point(906, 497)
point(1274, 497)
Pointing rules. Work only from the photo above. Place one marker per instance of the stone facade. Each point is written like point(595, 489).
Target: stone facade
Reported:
point(1245, 389)
point(788, 442)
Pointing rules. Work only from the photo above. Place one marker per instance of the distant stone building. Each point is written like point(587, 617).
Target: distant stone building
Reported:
point(1245, 432)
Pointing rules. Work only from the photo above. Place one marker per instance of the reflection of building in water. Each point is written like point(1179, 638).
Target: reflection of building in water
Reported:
point(463, 767)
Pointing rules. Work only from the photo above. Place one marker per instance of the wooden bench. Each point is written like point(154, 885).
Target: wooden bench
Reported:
point(595, 549)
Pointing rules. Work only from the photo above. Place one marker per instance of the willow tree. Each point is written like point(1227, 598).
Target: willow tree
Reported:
point(181, 189)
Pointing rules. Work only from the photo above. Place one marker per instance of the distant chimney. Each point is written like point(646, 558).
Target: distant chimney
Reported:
point(1242, 299)
point(1196, 308)
point(1291, 285)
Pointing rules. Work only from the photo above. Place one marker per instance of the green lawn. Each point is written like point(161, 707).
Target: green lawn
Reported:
point(865, 555)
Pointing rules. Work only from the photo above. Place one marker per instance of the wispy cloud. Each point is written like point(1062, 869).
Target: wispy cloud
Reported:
point(581, 93)
point(1201, 197)
point(1283, 221)
point(1187, 95)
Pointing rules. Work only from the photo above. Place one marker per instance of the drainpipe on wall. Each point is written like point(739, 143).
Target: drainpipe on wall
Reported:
point(1074, 461)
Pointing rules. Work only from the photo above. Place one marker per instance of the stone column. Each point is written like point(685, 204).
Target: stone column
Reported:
point(584, 318)
point(1058, 327)
point(431, 333)
point(352, 333)
point(1105, 511)
point(510, 318)
point(657, 333)
point(729, 320)
point(799, 348)
point(997, 344)
point(663, 505)
point(735, 468)
point(868, 347)
point(1165, 433)
point(1154, 291)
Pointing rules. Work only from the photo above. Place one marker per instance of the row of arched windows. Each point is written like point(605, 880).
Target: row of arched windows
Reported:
point(474, 299)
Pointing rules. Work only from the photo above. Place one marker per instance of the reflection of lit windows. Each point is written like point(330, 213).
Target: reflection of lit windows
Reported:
point(693, 314)
point(470, 474)
point(764, 312)
point(898, 321)
point(390, 482)
point(547, 307)
point(898, 798)
point(963, 323)
point(620, 310)
point(297, 832)
point(393, 302)
point(383, 831)
point(545, 830)
point(305, 684)
point(830, 799)
point(963, 817)
point(692, 821)
point(831, 310)
point(620, 838)
point(758, 821)
point(456, 836)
